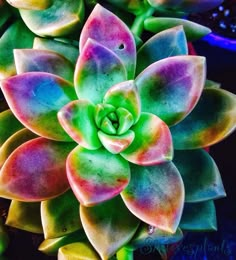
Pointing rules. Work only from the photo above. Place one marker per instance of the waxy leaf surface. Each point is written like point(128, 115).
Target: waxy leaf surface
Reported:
point(212, 120)
point(97, 69)
point(96, 176)
point(35, 171)
point(170, 88)
point(108, 226)
point(35, 98)
point(155, 194)
point(119, 40)
point(30, 4)
point(152, 143)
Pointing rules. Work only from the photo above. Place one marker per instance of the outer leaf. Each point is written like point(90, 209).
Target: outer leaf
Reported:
point(51, 246)
point(200, 175)
point(13, 142)
point(25, 216)
point(212, 119)
point(167, 43)
point(51, 22)
point(35, 98)
point(27, 60)
point(90, 181)
point(152, 143)
point(199, 216)
point(40, 173)
point(155, 194)
point(170, 88)
point(30, 4)
point(108, 226)
point(65, 49)
point(119, 40)
point(77, 118)
point(193, 31)
point(16, 36)
point(63, 220)
point(125, 95)
point(97, 69)
point(8, 125)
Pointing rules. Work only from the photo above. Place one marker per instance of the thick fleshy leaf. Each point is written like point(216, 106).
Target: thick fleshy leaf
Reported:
point(51, 246)
point(13, 142)
point(70, 51)
point(193, 31)
point(30, 4)
point(78, 250)
point(212, 119)
point(50, 22)
point(41, 171)
point(108, 226)
point(35, 98)
point(155, 194)
point(8, 125)
point(152, 143)
point(116, 143)
point(119, 40)
point(170, 42)
point(27, 60)
point(62, 220)
point(90, 181)
point(16, 36)
point(25, 216)
point(150, 236)
point(199, 216)
point(200, 175)
point(97, 69)
point(170, 88)
point(77, 118)
point(125, 95)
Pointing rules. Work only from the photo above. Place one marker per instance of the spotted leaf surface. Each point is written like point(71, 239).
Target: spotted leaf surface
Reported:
point(27, 60)
point(155, 195)
point(199, 216)
point(35, 98)
point(63, 220)
point(25, 216)
point(119, 40)
point(51, 22)
point(108, 226)
point(125, 95)
point(152, 143)
point(170, 42)
point(200, 175)
point(212, 119)
point(97, 69)
point(90, 181)
point(193, 31)
point(173, 86)
point(30, 4)
point(35, 171)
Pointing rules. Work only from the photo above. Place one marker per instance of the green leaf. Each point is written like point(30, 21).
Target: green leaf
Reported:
point(119, 40)
point(213, 118)
point(109, 226)
point(30, 4)
point(25, 216)
point(62, 220)
point(97, 69)
point(90, 181)
point(200, 175)
point(155, 194)
point(170, 42)
point(193, 31)
point(199, 216)
point(170, 88)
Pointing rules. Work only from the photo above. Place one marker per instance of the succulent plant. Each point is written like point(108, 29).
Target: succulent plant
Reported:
point(101, 155)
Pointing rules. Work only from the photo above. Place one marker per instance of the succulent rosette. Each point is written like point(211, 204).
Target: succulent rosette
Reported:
point(112, 145)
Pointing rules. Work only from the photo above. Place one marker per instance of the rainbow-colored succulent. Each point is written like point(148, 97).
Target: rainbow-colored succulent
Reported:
point(113, 145)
